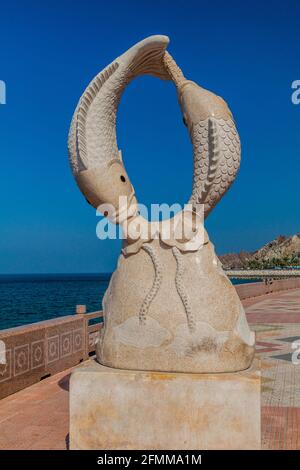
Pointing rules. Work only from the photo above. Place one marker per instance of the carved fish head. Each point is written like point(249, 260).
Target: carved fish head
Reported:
point(198, 104)
point(108, 185)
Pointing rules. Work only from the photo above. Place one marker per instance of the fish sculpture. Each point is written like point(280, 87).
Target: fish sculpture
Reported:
point(169, 305)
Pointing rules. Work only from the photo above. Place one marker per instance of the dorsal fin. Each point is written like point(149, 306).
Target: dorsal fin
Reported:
point(84, 105)
point(213, 156)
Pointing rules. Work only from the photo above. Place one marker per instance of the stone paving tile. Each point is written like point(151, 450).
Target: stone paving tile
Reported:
point(20, 435)
point(53, 441)
point(265, 350)
point(36, 417)
point(281, 428)
point(276, 320)
point(266, 344)
point(267, 317)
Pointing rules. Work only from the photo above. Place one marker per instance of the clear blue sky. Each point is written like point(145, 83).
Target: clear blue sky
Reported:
point(50, 50)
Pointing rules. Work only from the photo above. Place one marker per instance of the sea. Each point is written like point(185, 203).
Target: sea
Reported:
point(35, 297)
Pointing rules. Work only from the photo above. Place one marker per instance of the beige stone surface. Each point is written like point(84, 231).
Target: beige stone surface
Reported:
point(169, 305)
point(174, 313)
point(123, 409)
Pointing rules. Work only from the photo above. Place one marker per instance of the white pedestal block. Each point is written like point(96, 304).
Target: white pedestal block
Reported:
point(127, 409)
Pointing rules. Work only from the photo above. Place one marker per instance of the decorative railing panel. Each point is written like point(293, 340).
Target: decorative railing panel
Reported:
point(32, 352)
point(269, 286)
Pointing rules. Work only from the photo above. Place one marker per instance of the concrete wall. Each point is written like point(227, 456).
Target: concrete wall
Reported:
point(255, 289)
point(33, 351)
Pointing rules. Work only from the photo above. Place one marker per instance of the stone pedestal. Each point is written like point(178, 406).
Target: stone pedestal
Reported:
point(126, 409)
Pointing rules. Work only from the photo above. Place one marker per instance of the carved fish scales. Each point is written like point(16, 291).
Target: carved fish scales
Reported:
point(215, 164)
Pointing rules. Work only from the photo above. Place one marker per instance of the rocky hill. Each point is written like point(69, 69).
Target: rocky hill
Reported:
point(283, 251)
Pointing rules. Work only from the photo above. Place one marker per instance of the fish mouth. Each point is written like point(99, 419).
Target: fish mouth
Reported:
point(128, 208)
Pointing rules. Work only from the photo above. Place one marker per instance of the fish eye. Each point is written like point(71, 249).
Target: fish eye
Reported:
point(122, 178)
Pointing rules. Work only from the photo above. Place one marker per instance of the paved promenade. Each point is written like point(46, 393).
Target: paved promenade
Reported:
point(276, 321)
point(38, 418)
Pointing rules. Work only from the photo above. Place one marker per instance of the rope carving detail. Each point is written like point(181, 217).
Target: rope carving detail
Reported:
point(156, 283)
point(181, 290)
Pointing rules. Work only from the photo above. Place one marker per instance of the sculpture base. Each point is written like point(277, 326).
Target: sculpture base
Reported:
point(126, 409)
